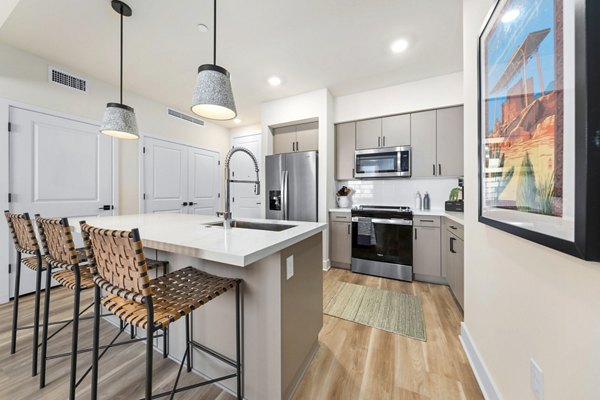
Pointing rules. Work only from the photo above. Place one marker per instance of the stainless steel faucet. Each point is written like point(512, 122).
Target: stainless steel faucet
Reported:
point(227, 214)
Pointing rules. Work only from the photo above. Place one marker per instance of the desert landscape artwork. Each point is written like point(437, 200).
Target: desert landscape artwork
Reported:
point(522, 108)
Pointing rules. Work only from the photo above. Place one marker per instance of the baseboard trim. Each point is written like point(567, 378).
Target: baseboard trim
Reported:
point(326, 265)
point(483, 376)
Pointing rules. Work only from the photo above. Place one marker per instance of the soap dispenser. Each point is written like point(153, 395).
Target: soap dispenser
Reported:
point(426, 201)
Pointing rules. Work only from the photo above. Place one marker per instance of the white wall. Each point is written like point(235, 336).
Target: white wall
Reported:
point(317, 104)
point(23, 78)
point(245, 130)
point(523, 300)
point(437, 92)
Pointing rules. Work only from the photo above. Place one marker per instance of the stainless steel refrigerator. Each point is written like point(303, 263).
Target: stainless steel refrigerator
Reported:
point(291, 191)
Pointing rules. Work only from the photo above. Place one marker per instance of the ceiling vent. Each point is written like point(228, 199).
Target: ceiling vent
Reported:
point(69, 80)
point(177, 114)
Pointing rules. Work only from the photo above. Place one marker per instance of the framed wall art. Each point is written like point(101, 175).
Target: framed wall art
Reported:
point(539, 130)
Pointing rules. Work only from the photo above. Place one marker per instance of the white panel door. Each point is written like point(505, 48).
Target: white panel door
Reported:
point(165, 177)
point(245, 204)
point(58, 168)
point(204, 183)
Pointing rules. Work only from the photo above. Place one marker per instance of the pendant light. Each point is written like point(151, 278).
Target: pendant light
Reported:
point(119, 119)
point(213, 97)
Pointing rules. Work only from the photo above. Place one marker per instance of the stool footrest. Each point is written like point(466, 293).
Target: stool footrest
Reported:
point(215, 354)
point(195, 385)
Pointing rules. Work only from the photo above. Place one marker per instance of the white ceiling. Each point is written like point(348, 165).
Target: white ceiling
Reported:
point(342, 45)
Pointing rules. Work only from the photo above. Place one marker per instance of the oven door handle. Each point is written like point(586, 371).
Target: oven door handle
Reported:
point(387, 221)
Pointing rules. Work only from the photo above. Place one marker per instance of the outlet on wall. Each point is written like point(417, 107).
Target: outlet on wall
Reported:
point(537, 379)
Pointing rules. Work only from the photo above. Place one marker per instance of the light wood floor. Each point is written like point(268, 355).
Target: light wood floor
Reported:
point(353, 362)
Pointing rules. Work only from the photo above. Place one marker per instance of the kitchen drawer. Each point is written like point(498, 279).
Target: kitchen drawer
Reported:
point(456, 228)
point(426, 220)
point(340, 216)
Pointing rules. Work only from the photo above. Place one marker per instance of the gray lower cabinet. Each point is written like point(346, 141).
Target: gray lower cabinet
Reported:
point(426, 249)
point(340, 253)
point(453, 259)
point(345, 143)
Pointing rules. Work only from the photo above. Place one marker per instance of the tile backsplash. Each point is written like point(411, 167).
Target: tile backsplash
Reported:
point(399, 192)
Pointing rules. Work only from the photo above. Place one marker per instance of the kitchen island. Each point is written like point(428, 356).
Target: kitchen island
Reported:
point(282, 292)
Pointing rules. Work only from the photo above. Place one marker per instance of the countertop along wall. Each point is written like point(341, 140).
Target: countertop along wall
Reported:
point(523, 300)
point(24, 78)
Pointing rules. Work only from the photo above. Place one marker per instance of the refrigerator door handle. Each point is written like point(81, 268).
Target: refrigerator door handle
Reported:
point(284, 195)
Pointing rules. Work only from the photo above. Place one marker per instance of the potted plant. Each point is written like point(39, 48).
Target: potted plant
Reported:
point(341, 197)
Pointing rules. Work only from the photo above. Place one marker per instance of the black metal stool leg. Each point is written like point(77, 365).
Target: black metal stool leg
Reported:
point(188, 343)
point(45, 327)
point(149, 347)
point(13, 339)
point(75, 338)
point(165, 342)
point(95, 344)
point(238, 342)
point(36, 315)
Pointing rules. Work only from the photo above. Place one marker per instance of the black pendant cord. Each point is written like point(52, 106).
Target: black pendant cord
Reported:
point(215, 35)
point(121, 85)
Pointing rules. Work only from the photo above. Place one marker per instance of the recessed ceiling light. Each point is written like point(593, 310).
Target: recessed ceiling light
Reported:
point(274, 81)
point(237, 121)
point(511, 15)
point(202, 28)
point(399, 46)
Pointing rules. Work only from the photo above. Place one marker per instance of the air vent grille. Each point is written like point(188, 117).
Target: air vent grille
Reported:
point(63, 78)
point(185, 117)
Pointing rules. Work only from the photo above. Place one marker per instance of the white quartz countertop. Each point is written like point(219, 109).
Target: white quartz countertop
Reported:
point(455, 216)
point(346, 210)
point(189, 235)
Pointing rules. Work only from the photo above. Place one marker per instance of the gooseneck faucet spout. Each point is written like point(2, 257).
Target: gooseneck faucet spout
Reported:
point(227, 213)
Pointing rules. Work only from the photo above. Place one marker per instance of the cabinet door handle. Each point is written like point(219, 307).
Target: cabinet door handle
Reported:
point(433, 169)
point(337, 216)
point(293, 146)
point(452, 245)
point(353, 172)
point(185, 203)
point(415, 233)
point(348, 229)
point(439, 169)
point(426, 220)
point(384, 141)
point(379, 141)
point(453, 227)
point(297, 146)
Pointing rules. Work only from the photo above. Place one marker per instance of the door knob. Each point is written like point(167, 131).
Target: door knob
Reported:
point(191, 203)
point(185, 203)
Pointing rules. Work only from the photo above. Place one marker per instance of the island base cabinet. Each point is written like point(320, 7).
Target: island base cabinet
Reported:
point(282, 313)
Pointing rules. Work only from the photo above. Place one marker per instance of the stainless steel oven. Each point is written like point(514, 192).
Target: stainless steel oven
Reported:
point(387, 162)
point(382, 241)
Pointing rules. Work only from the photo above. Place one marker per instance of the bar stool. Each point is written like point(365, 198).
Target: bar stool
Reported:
point(120, 269)
point(65, 266)
point(25, 241)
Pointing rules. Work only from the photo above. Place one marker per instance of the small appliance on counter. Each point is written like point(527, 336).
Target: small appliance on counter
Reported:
point(456, 202)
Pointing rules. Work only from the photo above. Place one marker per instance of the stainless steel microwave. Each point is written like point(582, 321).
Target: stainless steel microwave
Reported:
point(386, 162)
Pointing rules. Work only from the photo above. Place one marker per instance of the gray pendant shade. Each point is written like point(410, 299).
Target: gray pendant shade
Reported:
point(119, 121)
point(213, 97)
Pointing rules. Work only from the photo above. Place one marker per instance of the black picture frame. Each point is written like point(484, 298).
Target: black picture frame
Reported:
point(586, 243)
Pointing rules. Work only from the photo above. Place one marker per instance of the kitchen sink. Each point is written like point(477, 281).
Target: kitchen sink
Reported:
point(261, 226)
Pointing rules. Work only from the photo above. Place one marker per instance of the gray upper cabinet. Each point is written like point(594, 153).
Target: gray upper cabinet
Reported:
point(423, 142)
point(345, 143)
point(307, 137)
point(368, 134)
point(289, 139)
point(450, 128)
point(395, 131)
point(437, 142)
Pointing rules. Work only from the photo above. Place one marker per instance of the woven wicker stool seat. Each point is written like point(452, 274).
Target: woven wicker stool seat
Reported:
point(67, 278)
point(32, 263)
point(175, 295)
